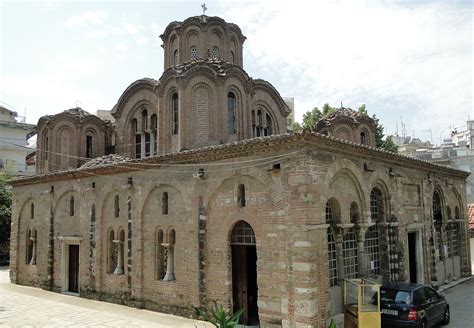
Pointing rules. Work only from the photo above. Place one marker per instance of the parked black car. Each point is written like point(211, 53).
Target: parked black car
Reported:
point(412, 305)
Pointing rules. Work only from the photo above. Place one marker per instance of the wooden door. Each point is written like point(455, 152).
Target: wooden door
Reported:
point(239, 280)
point(73, 270)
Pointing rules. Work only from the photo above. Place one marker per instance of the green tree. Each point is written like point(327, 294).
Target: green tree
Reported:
point(5, 206)
point(295, 127)
point(312, 117)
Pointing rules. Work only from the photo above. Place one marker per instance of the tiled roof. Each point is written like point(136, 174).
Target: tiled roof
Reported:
point(347, 112)
point(106, 160)
point(470, 216)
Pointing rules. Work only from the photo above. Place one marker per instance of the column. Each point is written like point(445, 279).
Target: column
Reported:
point(119, 269)
point(169, 263)
point(33, 252)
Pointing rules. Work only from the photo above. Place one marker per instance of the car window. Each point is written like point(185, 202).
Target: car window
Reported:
point(418, 297)
point(431, 294)
point(395, 296)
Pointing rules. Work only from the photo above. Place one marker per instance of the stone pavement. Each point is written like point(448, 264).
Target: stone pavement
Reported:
point(22, 306)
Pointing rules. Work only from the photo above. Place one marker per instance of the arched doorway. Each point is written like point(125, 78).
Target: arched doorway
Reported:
point(244, 272)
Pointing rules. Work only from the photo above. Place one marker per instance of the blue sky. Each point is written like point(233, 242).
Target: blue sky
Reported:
point(406, 60)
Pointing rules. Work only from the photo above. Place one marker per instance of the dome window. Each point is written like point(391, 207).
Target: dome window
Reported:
point(194, 53)
point(214, 52)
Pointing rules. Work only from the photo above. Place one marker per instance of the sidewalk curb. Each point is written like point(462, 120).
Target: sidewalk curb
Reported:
point(453, 284)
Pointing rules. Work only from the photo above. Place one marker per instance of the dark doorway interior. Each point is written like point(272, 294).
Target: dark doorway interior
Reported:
point(73, 270)
point(244, 282)
point(412, 256)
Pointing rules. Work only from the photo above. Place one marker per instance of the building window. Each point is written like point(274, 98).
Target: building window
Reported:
point(214, 52)
point(160, 256)
point(136, 138)
point(332, 252)
point(231, 113)
point(46, 148)
point(147, 144)
point(169, 264)
point(371, 244)
point(349, 253)
point(164, 203)
point(262, 124)
point(194, 53)
point(241, 195)
point(231, 57)
point(71, 206)
point(176, 57)
point(242, 234)
point(144, 120)
point(175, 110)
point(119, 246)
point(31, 247)
point(363, 138)
point(112, 253)
point(438, 222)
point(154, 127)
point(32, 211)
point(116, 206)
point(88, 146)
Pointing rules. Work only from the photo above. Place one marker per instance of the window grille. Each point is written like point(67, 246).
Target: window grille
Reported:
point(194, 53)
point(349, 253)
point(214, 52)
point(243, 234)
point(438, 221)
point(332, 258)
point(372, 250)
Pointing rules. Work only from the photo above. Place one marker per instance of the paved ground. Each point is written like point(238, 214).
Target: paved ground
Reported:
point(22, 306)
point(461, 304)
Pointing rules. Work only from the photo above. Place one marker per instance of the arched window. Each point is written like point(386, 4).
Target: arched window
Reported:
point(29, 246)
point(262, 124)
point(175, 110)
point(32, 211)
point(371, 244)
point(242, 234)
point(120, 244)
point(193, 53)
point(214, 52)
point(363, 138)
point(241, 195)
point(438, 222)
point(231, 113)
point(176, 57)
point(231, 57)
point(160, 255)
point(154, 127)
point(332, 252)
point(112, 252)
point(117, 206)
point(71, 206)
point(136, 138)
point(169, 264)
point(164, 203)
point(89, 142)
point(144, 120)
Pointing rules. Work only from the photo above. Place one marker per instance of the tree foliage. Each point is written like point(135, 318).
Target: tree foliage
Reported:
point(5, 206)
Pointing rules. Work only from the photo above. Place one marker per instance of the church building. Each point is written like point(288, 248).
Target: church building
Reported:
point(192, 192)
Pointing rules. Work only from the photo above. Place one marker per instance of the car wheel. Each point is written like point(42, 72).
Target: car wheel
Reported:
point(423, 324)
point(446, 316)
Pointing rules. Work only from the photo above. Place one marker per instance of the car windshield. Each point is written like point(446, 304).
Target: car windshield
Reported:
point(395, 296)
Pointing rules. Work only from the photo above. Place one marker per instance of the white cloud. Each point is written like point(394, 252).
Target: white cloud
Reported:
point(389, 56)
point(88, 17)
